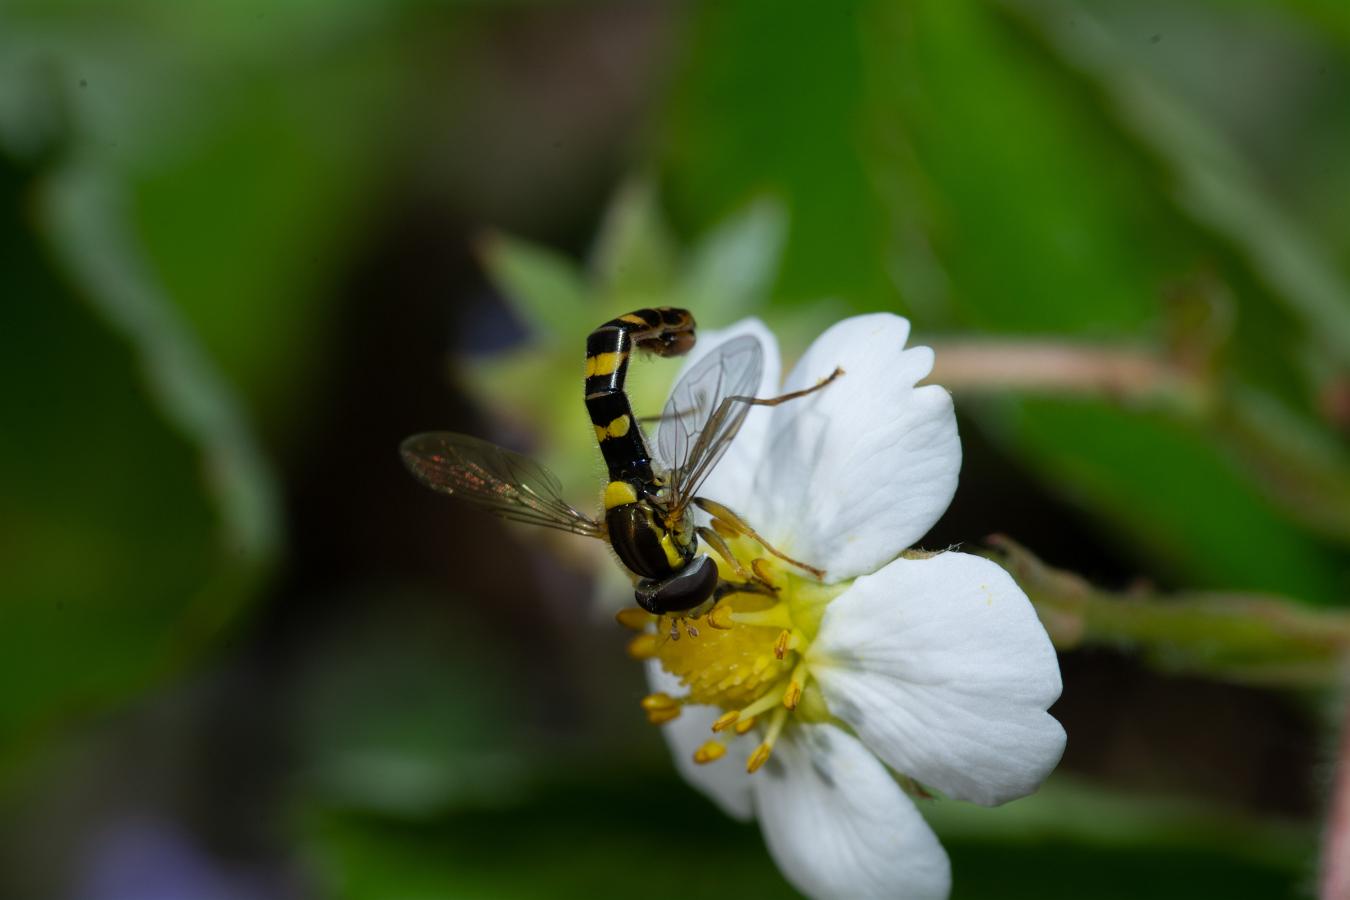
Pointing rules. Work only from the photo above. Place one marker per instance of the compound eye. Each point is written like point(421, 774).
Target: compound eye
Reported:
point(684, 590)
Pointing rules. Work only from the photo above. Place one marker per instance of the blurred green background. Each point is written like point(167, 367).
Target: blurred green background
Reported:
point(246, 247)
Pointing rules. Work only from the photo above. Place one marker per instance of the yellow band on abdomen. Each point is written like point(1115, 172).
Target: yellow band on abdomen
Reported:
point(604, 363)
point(617, 493)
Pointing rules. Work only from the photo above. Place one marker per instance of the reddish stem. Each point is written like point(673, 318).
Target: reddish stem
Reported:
point(1336, 841)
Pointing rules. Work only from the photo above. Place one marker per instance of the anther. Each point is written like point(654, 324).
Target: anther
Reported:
point(720, 617)
point(726, 720)
point(793, 695)
point(662, 716)
point(758, 758)
point(763, 571)
point(745, 725)
point(691, 630)
point(659, 700)
point(644, 646)
point(780, 646)
point(661, 708)
point(633, 618)
point(761, 754)
point(711, 750)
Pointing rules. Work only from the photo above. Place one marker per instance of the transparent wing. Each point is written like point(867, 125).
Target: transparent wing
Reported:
point(495, 479)
point(698, 423)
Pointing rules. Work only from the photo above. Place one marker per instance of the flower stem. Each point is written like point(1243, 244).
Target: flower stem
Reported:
point(1335, 880)
point(1291, 459)
point(1246, 638)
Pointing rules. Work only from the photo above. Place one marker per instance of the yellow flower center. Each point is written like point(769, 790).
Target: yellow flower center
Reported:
point(746, 654)
point(725, 666)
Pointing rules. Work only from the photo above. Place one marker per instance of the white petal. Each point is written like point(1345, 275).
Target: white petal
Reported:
point(732, 478)
point(724, 781)
point(838, 825)
point(944, 671)
point(858, 471)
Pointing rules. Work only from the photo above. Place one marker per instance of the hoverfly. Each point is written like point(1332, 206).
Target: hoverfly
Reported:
point(648, 518)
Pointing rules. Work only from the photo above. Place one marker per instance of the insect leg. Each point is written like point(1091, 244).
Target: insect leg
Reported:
point(736, 524)
point(725, 405)
point(774, 401)
point(719, 545)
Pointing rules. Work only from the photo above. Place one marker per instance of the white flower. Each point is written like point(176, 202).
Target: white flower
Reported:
point(935, 668)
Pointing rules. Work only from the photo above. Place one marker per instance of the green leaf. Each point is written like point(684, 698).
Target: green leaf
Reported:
point(1214, 184)
point(1174, 495)
point(772, 98)
point(404, 712)
point(140, 517)
point(547, 289)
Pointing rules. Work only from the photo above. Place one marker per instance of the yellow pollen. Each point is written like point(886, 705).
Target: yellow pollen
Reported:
point(710, 751)
point(764, 571)
point(726, 667)
point(661, 708)
point(726, 720)
point(659, 700)
point(761, 754)
point(750, 659)
point(758, 758)
point(644, 646)
point(793, 695)
point(662, 716)
point(720, 616)
point(634, 618)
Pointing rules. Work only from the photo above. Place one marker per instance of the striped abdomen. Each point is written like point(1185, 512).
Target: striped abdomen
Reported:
point(665, 331)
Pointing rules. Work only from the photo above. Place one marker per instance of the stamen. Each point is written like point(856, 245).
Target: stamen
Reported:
point(711, 750)
point(745, 725)
point(659, 700)
point(644, 646)
point(761, 754)
point(662, 716)
point(691, 629)
point(633, 618)
point(720, 617)
point(780, 646)
point(726, 720)
point(775, 616)
point(793, 695)
point(764, 571)
point(773, 698)
point(661, 707)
